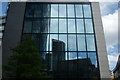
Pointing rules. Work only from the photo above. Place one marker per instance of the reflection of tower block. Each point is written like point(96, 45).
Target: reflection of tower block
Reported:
point(58, 49)
point(48, 61)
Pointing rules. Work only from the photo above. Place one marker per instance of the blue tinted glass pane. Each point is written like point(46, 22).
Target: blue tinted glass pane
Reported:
point(71, 26)
point(81, 43)
point(93, 58)
point(53, 39)
point(87, 10)
point(30, 10)
point(78, 9)
point(72, 55)
point(43, 42)
point(72, 43)
point(37, 10)
point(46, 10)
point(45, 26)
point(70, 8)
point(82, 55)
point(88, 25)
point(36, 26)
point(54, 26)
point(62, 10)
point(90, 42)
point(36, 38)
point(54, 10)
point(27, 26)
point(62, 26)
point(80, 25)
point(63, 38)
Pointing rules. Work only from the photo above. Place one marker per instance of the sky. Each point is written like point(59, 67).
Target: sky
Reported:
point(109, 16)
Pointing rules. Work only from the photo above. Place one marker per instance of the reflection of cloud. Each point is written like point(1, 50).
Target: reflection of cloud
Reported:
point(112, 61)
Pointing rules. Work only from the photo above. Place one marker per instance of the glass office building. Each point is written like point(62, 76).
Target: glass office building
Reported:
point(65, 31)
point(65, 35)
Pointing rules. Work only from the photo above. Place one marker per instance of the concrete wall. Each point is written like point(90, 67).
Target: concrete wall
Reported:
point(13, 28)
point(100, 39)
point(0, 58)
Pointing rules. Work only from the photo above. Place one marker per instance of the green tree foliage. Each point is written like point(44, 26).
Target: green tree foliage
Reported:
point(25, 62)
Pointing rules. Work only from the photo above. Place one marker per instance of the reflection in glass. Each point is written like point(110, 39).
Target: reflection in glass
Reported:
point(41, 41)
point(80, 25)
point(93, 58)
point(78, 9)
point(81, 42)
point(45, 26)
point(54, 26)
point(54, 10)
point(27, 26)
point(72, 55)
point(72, 43)
point(36, 39)
point(36, 26)
point(46, 10)
point(88, 25)
point(90, 42)
point(62, 26)
point(52, 37)
point(29, 10)
point(37, 10)
point(62, 10)
point(87, 11)
point(70, 8)
point(82, 55)
point(63, 37)
point(71, 26)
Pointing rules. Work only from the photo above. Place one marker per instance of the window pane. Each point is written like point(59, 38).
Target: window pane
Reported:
point(93, 58)
point(80, 25)
point(72, 43)
point(36, 26)
point(30, 10)
point(36, 38)
point(72, 55)
point(88, 25)
point(54, 40)
point(38, 10)
point(90, 42)
point(54, 26)
point(54, 10)
point(46, 10)
point(27, 26)
point(81, 43)
point(87, 11)
point(63, 38)
point(45, 26)
point(71, 26)
point(82, 55)
point(62, 10)
point(43, 40)
point(78, 9)
point(70, 8)
point(62, 26)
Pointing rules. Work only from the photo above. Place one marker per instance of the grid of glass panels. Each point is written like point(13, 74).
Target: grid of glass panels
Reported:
point(65, 32)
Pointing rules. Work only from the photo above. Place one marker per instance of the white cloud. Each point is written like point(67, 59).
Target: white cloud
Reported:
point(108, 7)
point(110, 25)
point(113, 60)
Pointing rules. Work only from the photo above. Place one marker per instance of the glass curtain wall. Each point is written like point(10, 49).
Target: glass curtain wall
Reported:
point(64, 35)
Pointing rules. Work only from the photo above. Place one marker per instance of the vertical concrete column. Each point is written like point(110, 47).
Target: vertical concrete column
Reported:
point(100, 39)
point(13, 29)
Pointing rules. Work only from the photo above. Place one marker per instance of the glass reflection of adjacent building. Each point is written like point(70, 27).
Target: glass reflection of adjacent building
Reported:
point(64, 35)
